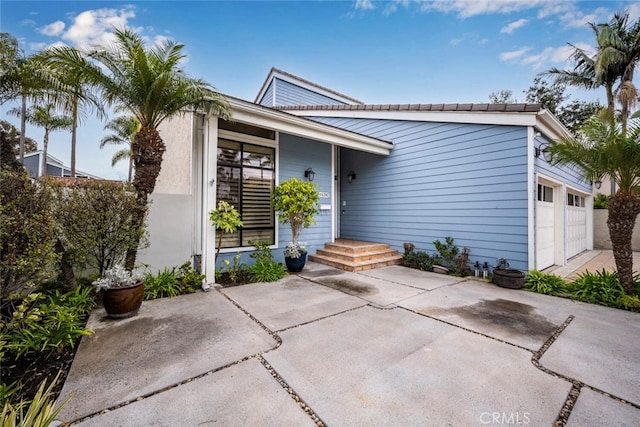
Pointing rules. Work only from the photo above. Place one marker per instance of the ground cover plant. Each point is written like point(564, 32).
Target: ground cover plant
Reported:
point(172, 282)
point(39, 334)
point(602, 288)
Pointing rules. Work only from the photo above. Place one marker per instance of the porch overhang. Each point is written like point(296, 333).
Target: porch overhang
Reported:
point(247, 112)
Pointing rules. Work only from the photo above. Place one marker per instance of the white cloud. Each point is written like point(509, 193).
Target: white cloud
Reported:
point(578, 19)
point(634, 12)
point(364, 5)
point(514, 54)
point(95, 27)
point(510, 28)
point(53, 30)
point(547, 57)
point(467, 8)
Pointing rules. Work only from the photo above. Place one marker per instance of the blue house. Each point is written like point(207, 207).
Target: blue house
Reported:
point(386, 173)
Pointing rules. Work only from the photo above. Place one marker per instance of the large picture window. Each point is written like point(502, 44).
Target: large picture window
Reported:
point(246, 179)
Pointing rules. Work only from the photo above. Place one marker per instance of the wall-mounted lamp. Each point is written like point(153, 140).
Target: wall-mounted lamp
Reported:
point(351, 176)
point(309, 174)
point(543, 149)
point(597, 183)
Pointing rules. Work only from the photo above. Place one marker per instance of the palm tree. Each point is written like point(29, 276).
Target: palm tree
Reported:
point(22, 78)
point(149, 84)
point(45, 117)
point(619, 48)
point(75, 96)
point(124, 131)
point(617, 53)
point(604, 148)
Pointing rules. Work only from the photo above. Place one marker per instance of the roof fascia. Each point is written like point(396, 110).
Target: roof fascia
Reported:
point(258, 115)
point(481, 117)
point(303, 84)
point(550, 126)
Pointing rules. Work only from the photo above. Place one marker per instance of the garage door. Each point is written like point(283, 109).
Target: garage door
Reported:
point(545, 227)
point(575, 225)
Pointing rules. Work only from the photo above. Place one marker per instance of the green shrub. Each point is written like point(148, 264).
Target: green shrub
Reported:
point(265, 269)
point(419, 260)
point(542, 283)
point(448, 252)
point(630, 302)
point(97, 222)
point(172, 282)
point(39, 412)
point(602, 287)
point(601, 201)
point(46, 323)
point(27, 233)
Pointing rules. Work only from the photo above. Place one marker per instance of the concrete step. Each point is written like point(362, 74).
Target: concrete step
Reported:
point(354, 255)
point(355, 266)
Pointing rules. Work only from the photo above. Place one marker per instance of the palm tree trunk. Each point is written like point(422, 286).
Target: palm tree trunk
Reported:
point(45, 149)
point(147, 150)
point(74, 128)
point(623, 208)
point(611, 104)
point(23, 127)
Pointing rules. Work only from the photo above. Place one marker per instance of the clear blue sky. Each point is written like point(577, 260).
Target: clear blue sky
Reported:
point(407, 51)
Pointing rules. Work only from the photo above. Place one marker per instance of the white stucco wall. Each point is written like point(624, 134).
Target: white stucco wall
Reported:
point(171, 225)
point(172, 216)
point(177, 173)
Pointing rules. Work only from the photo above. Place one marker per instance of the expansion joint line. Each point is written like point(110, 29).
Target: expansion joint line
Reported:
point(292, 393)
point(467, 329)
point(301, 403)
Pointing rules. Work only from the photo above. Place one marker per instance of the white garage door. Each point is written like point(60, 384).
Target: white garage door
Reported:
point(545, 227)
point(575, 225)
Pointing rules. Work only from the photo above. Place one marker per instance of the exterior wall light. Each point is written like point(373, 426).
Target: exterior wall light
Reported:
point(543, 149)
point(351, 176)
point(309, 174)
point(598, 183)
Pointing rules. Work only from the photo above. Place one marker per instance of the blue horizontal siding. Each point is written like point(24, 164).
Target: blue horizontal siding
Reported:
point(267, 98)
point(467, 181)
point(288, 94)
point(296, 155)
point(571, 175)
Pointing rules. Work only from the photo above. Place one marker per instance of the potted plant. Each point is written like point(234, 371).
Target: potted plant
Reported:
point(122, 292)
point(296, 203)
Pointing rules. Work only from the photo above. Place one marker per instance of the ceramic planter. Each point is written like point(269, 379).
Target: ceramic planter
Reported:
point(295, 265)
point(120, 303)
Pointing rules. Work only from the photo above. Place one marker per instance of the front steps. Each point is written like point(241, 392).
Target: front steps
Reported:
point(353, 255)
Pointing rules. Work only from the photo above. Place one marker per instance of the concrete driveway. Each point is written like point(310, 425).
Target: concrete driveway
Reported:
point(392, 346)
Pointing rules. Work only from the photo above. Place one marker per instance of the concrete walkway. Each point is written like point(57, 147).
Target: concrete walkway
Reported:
point(392, 346)
point(595, 260)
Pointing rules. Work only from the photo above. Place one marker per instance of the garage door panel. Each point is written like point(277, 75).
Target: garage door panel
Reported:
point(545, 233)
point(576, 230)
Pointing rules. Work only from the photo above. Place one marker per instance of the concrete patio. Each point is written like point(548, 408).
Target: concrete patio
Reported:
point(391, 346)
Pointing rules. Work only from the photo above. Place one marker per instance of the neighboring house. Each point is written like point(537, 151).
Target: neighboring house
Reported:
point(386, 173)
point(33, 163)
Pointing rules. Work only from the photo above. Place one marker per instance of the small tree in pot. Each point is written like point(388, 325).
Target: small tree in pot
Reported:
point(296, 203)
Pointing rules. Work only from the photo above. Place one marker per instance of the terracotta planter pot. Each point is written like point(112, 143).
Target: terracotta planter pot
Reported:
point(295, 265)
point(123, 302)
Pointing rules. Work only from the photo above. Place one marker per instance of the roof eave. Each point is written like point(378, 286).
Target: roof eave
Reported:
point(259, 115)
